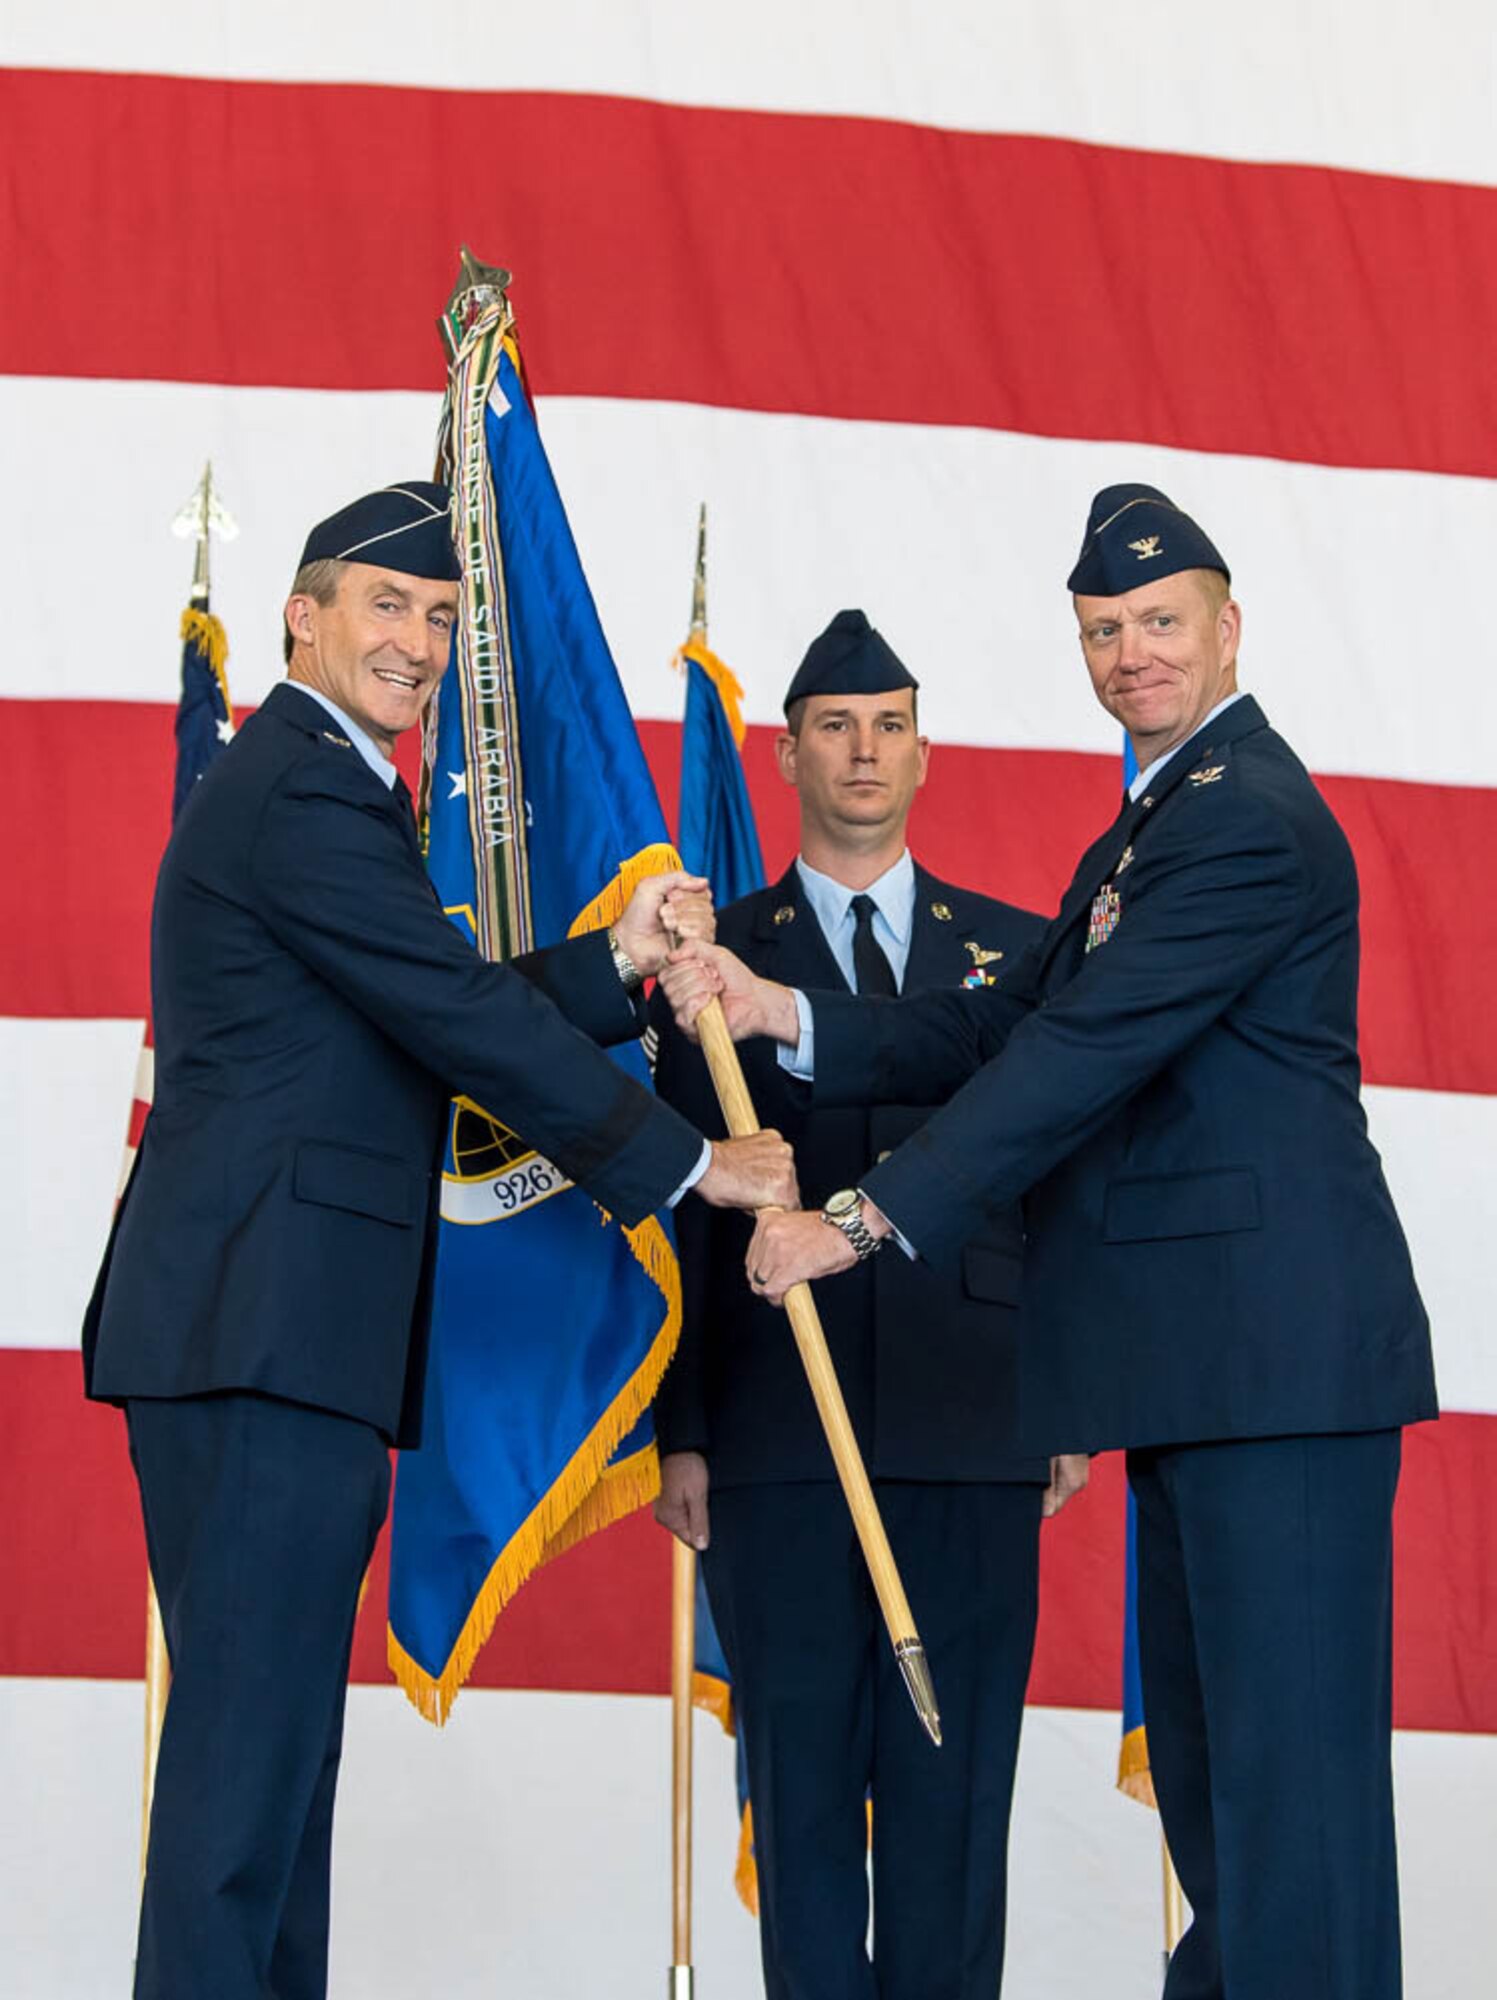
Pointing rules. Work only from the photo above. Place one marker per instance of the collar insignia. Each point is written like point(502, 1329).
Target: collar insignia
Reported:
point(1147, 546)
point(979, 956)
point(785, 914)
point(941, 913)
point(1207, 775)
point(341, 741)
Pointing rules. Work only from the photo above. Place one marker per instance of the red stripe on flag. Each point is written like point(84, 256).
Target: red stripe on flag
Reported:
point(72, 1574)
point(97, 775)
point(761, 260)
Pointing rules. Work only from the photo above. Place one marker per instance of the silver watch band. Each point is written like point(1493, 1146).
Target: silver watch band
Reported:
point(854, 1228)
point(628, 972)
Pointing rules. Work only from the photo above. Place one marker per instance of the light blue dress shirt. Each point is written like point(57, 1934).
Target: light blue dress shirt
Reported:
point(893, 915)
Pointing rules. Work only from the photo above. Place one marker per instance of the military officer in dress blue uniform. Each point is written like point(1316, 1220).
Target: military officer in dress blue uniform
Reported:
point(262, 1307)
point(927, 1363)
point(1215, 1278)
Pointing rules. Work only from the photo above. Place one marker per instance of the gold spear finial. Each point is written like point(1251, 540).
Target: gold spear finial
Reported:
point(199, 518)
point(479, 286)
point(699, 580)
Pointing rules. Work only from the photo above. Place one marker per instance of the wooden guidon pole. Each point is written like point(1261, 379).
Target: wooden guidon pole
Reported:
point(683, 1669)
point(738, 1111)
point(1174, 1903)
point(158, 1678)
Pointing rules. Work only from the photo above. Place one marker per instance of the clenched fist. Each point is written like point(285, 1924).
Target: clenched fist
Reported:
point(756, 1172)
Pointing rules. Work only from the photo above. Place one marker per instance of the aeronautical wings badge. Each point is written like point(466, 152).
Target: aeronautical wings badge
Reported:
point(1207, 775)
point(981, 957)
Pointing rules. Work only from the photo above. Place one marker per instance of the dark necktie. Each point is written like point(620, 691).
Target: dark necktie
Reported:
point(875, 974)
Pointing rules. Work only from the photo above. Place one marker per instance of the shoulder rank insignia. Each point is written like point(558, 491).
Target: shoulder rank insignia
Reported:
point(341, 741)
point(785, 914)
point(1125, 860)
point(1146, 547)
point(1207, 775)
point(979, 955)
point(941, 913)
point(1107, 910)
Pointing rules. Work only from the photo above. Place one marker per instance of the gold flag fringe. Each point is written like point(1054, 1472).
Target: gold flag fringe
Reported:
point(714, 1697)
point(203, 630)
point(611, 901)
point(722, 677)
point(1134, 1775)
point(583, 1484)
point(746, 1872)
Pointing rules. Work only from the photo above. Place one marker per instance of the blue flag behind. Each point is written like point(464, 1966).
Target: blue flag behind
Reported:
point(541, 817)
point(205, 720)
point(717, 835)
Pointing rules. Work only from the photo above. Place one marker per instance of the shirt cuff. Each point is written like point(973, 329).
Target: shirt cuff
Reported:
point(896, 1234)
point(703, 1163)
point(801, 1060)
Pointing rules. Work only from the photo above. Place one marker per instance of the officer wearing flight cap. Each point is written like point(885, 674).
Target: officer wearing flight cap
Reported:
point(262, 1307)
point(928, 1364)
point(1215, 1277)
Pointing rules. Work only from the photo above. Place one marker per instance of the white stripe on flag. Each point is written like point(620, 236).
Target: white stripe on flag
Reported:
point(956, 541)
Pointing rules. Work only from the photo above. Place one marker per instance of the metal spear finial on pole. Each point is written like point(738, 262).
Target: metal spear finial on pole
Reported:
point(479, 287)
point(699, 580)
point(197, 520)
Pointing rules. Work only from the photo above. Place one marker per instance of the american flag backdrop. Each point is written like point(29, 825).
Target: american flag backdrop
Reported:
point(894, 289)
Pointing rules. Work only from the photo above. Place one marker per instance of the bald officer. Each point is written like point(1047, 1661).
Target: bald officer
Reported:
point(1215, 1277)
point(928, 1364)
point(262, 1308)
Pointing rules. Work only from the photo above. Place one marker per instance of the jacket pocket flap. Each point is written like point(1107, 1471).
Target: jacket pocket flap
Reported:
point(371, 1184)
point(993, 1275)
point(1158, 1206)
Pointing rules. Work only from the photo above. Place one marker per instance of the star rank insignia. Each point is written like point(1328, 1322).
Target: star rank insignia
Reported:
point(1107, 910)
point(341, 741)
point(785, 914)
point(1207, 775)
point(1146, 546)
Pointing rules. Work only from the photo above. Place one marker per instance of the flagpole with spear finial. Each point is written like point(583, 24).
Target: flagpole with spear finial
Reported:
point(684, 1579)
point(198, 520)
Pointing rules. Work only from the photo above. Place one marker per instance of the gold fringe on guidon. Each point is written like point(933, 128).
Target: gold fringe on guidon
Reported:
point(203, 630)
point(714, 1697)
point(722, 677)
point(610, 902)
point(584, 1484)
point(1134, 1776)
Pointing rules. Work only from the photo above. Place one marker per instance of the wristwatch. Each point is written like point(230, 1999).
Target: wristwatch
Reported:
point(843, 1210)
point(623, 964)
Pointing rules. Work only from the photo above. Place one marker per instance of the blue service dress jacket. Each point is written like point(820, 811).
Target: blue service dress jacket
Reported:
point(314, 1011)
point(1170, 1081)
point(927, 1359)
